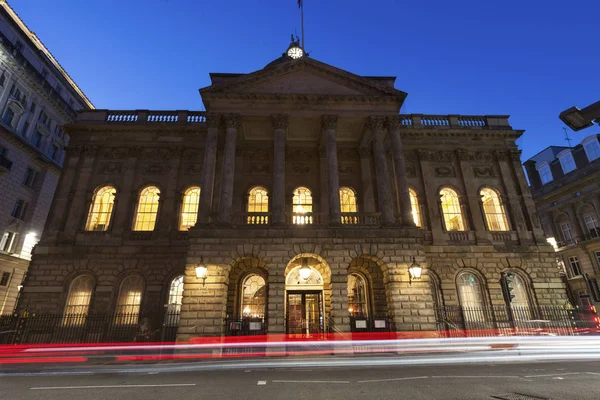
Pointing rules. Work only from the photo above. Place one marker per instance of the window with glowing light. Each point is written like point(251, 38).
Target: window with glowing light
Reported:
point(189, 208)
point(493, 209)
point(254, 297)
point(174, 302)
point(348, 205)
point(78, 300)
point(357, 296)
point(147, 209)
point(521, 298)
point(302, 206)
point(129, 300)
point(453, 217)
point(101, 209)
point(470, 295)
point(414, 206)
point(258, 202)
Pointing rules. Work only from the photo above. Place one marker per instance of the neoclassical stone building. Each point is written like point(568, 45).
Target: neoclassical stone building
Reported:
point(303, 197)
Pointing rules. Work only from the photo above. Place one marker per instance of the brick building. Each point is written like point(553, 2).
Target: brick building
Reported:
point(36, 98)
point(565, 182)
point(297, 201)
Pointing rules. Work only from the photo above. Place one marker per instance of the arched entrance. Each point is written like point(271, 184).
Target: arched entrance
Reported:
point(304, 299)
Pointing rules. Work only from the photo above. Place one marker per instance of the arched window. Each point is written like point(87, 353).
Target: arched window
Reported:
point(174, 302)
point(101, 209)
point(129, 300)
point(451, 209)
point(348, 205)
point(414, 205)
point(302, 206)
point(357, 296)
point(147, 209)
point(189, 208)
point(78, 300)
point(521, 298)
point(254, 297)
point(493, 209)
point(258, 202)
point(470, 293)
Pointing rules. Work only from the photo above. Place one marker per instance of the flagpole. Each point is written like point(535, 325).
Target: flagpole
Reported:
point(302, 20)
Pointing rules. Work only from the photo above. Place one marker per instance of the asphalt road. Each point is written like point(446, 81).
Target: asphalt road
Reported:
point(550, 380)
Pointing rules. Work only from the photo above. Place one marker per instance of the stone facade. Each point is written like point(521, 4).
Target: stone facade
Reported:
point(295, 123)
point(36, 98)
point(569, 208)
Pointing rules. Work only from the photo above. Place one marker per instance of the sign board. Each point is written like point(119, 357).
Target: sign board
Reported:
point(235, 326)
point(255, 326)
point(379, 323)
point(360, 324)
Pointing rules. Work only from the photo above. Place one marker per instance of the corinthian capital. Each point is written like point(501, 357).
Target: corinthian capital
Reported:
point(279, 121)
point(329, 122)
point(213, 120)
point(376, 123)
point(233, 121)
point(393, 123)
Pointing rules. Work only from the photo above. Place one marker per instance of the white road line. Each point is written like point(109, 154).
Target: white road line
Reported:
point(476, 376)
point(564, 373)
point(394, 379)
point(259, 383)
point(592, 373)
point(110, 386)
point(285, 381)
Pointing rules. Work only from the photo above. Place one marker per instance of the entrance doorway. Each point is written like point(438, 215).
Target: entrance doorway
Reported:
point(305, 312)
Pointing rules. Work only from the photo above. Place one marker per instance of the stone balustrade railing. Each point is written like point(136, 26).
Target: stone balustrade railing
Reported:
point(407, 121)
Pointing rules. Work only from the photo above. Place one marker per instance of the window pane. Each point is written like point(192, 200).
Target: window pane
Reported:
point(357, 296)
point(452, 211)
point(189, 208)
point(348, 205)
point(592, 149)
point(414, 205)
point(101, 209)
point(470, 295)
point(130, 298)
point(258, 202)
point(493, 210)
point(302, 204)
point(145, 218)
point(253, 297)
point(545, 174)
point(78, 300)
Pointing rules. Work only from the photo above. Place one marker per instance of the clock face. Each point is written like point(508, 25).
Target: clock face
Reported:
point(295, 52)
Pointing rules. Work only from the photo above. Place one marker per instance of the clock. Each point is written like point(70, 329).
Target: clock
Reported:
point(295, 52)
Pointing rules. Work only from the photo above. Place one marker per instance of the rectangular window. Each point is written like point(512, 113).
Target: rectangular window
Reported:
point(591, 223)
point(592, 150)
point(37, 140)
point(9, 116)
point(567, 163)
point(9, 242)
point(19, 209)
point(4, 279)
point(43, 118)
point(29, 179)
point(545, 174)
point(54, 152)
point(25, 129)
point(574, 265)
point(565, 230)
point(32, 107)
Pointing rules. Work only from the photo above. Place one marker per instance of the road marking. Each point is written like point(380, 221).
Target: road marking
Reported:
point(110, 386)
point(285, 381)
point(541, 376)
point(558, 377)
point(592, 373)
point(394, 379)
point(259, 383)
point(477, 376)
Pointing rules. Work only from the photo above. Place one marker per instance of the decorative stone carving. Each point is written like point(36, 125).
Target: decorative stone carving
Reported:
point(483, 172)
point(133, 151)
point(424, 155)
point(111, 168)
point(113, 153)
point(442, 156)
point(233, 121)
point(279, 121)
point(444, 171)
point(156, 169)
point(299, 169)
point(329, 122)
point(259, 169)
point(393, 123)
point(514, 155)
point(376, 123)
point(346, 169)
point(464, 155)
point(90, 151)
point(410, 171)
point(298, 154)
point(192, 154)
point(193, 168)
point(347, 154)
point(213, 120)
point(156, 153)
point(483, 156)
point(501, 155)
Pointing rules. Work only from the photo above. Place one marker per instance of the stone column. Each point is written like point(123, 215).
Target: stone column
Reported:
point(575, 225)
point(472, 195)
point(329, 126)
point(213, 122)
point(432, 197)
point(232, 122)
point(125, 199)
point(169, 218)
point(393, 125)
point(280, 124)
point(82, 196)
point(368, 196)
point(386, 204)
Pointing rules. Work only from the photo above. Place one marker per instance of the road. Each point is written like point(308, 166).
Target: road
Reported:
point(566, 380)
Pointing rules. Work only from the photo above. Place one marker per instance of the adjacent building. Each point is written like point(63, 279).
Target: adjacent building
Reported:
point(36, 98)
point(297, 202)
point(565, 182)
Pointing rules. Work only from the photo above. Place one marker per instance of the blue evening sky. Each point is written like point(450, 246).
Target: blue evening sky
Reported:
point(527, 58)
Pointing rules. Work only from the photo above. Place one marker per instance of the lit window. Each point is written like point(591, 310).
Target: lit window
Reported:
point(566, 161)
point(414, 206)
point(519, 292)
point(357, 296)
point(348, 205)
point(129, 300)
point(78, 300)
point(253, 297)
point(9, 241)
point(147, 209)
point(258, 202)
point(451, 209)
point(302, 206)
point(565, 230)
point(470, 295)
point(545, 173)
point(591, 222)
point(591, 147)
point(493, 210)
point(189, 208)
point(101, 209)
point(575, 269)
point(175, 301)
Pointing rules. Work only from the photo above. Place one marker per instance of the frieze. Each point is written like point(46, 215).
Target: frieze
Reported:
point(257, 154)
point(192, 154)
point(483, 172)
point(258, 169)
point(465, 155)
point(501, 155)
point(483, 156)
point(444, 171)
point(114, 153)
point(156, 153)
point(156, 169)
point(442, 156)
point(346, 169)
point(111, 168)
point(299, 169)
point(296, 154)
point(193, 168)
point(514, 155)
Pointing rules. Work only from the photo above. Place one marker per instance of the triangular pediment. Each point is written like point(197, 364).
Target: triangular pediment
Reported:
point(302, 77)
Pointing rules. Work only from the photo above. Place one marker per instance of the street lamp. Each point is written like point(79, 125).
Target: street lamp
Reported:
point(578, 119)
point(305, 269)
point(201, 271)
point(414, 271)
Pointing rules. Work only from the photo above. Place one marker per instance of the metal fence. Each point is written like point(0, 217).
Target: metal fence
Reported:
point(457, 321)
point(87, 328)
